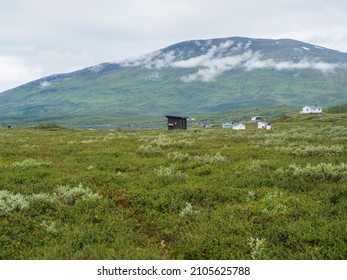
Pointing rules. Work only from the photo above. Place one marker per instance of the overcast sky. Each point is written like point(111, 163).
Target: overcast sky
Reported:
point(43, 37)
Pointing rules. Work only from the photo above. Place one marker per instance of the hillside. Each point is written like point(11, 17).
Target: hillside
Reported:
point(193, 77)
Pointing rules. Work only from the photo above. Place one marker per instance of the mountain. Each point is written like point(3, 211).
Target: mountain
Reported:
point(188, 78)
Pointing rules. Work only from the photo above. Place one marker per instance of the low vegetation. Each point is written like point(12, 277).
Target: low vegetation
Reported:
point(338, 109)
point(155, 194)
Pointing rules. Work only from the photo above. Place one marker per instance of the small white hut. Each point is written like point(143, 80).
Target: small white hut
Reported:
point(264, 125)
point(311, 110)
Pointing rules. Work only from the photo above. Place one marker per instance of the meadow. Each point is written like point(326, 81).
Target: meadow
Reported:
point(202, 193)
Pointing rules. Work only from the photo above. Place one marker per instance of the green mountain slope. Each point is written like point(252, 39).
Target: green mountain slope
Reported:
point(194, 77)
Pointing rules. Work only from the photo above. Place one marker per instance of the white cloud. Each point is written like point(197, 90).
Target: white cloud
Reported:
point(216, 61)
point(13, 70)
point(257, 63)
point(215, 67)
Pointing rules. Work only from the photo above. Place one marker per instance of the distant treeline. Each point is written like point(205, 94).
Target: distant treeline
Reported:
point(338, 109)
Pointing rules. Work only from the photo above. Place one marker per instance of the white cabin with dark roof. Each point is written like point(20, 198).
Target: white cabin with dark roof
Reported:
point(311, 110)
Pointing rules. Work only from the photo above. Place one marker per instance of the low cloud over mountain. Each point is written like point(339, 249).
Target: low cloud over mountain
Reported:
point(211, 60)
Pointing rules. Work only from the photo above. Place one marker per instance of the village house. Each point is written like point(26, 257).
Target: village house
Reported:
point(311, 110)
point(264, 125)
point(239, 126)
point(256, 118)
point(234, 125)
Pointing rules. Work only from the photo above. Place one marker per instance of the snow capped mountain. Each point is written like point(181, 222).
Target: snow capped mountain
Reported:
point(191, 77)
point(214, 57)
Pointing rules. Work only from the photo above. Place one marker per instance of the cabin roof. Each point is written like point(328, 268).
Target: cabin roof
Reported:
point(177, 117)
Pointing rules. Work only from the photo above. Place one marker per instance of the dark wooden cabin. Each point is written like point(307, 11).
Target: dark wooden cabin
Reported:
point(174, 122)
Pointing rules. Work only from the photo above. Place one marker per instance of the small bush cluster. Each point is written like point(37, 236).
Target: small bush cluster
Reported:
point(257, 165)
point(71, 195)
point(10, 202)
point(50, 227)
point(188, 210)
point(177, 156)
point(183, 157)
point(149, 150)
point(257, 246)
point(169, 141)
point(322, 171)
point(169, 171)
point(28, 163)
point(309, 150)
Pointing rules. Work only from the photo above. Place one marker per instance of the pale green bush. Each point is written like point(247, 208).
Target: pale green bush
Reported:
point(188, 210)
point(210, 158)
point(322, 171)
point(71, 195)
point(176, 156)
point(257, 165)
point(28, 163)
point(12, 202)
point(167, 171)
point(257, 246)
point(42, 197)
point(318, 151)
point(170, 141)
point(149, 150)
point(49, 227)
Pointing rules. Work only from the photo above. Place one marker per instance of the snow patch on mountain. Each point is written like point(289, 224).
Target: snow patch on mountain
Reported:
point(215, 59)
point(96, 68)
point(45, 84)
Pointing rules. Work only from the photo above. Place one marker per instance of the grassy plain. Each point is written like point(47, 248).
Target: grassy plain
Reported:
point(196, 194)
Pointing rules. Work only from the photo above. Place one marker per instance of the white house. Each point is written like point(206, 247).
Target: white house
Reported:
point(256, 118)
point(311, 110)
point(234, 125)
point(239, 126)
point(264, 125)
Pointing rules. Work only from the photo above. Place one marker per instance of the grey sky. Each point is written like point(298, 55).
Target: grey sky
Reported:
point(43, 37)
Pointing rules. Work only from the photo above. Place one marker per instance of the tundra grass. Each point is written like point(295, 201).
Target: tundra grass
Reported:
point(155, 194)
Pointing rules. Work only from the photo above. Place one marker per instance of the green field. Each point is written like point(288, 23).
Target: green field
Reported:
point(156, 194)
